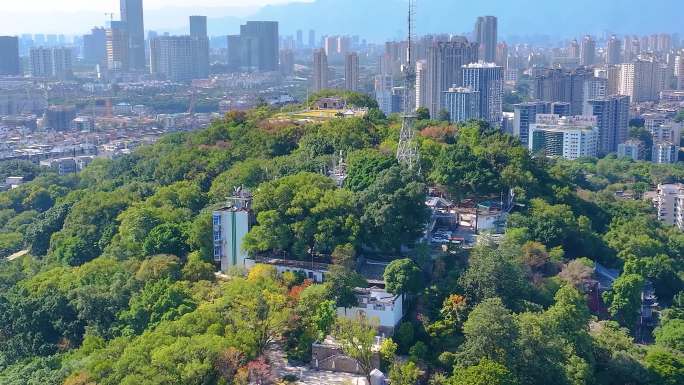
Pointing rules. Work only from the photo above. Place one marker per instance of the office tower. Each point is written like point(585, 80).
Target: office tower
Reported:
point(320, 70)
point(300, 39)
point(588, 51)
point(351, 72)
point(574, 49)
point(421, 81)
point(486, 37)
point(613, 51)
point(9, 55)
point(487, 79)
point(612, 116)
point(178, 58)
point(463, 104)
point(569, 137)
point(287, 62)
point(198, 32)
point(198, 26)
point(132, 17)
point(312, 38)
point(444, 70)
point(117, 47)
point(525, 114)
point(260, 45)
point(559, 108)
point(642, 80)
point(557, 85)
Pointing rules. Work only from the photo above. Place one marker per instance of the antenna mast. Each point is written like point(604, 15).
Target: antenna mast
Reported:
point(407, 151)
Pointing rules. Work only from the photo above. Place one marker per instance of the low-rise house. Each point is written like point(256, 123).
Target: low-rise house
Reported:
point(311, 270)
point(377, 303)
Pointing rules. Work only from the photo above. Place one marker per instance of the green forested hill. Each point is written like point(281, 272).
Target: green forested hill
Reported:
point(118, 287)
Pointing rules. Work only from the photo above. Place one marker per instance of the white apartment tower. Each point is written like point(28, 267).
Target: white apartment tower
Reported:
point(230, 226)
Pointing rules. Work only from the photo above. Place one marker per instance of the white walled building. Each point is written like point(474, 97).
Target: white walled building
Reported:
point(230, 226)
point(379, 304)
point(568, 137)
point(664, 153)
point(669, 202)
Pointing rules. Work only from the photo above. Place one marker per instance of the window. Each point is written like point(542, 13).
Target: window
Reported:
point(217, 251)
point(217, 220)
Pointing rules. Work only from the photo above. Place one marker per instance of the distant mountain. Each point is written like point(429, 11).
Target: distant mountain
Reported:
point(385, 19)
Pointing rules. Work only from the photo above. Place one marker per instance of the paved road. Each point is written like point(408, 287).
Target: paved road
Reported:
point(309, 376)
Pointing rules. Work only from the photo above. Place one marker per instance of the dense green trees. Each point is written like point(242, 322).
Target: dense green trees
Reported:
point(119, 286)
point(302, 214)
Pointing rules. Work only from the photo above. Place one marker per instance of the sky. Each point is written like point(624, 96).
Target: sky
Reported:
point(77, 16)
point(373, 19)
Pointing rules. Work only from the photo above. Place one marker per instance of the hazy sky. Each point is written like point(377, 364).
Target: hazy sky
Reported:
point(77, 16)
point(107, 5)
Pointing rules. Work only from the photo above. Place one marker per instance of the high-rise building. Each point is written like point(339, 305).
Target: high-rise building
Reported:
point(50, 62)
point(679, 71)
point(132, 17)
point(9, 55)
point(525, 114)
point(287, 62)
point(320, 70)
point(95, 46)
point(487, 79)
point(330, 44)
point(421, 81)
point(257, 48)
point(260, 45)
point(570, 137)
point(198, 32)
point(177, 58)
point(613, 51)
point(594, 88)
point(198, 26)
point(351, 72)
point(462, 104)
point(588, 51)
point(486, 37)
point(669, 203)
point(234, 52)
point(574, 49)
point(612, 117)
point(312, 38)
point(502, 55)
point(444, 70)
point(300, 39)
point(117, 47)
point(557, 85)
point(642, 80)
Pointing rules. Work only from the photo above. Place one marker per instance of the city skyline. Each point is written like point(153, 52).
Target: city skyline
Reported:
point(39, 16)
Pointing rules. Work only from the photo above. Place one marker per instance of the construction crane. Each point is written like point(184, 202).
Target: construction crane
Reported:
point(407, 150)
